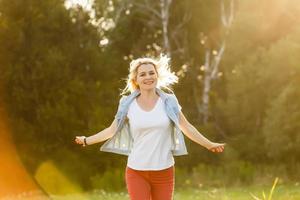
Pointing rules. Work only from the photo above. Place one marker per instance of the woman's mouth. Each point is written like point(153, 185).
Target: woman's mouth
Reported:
point(148, 82)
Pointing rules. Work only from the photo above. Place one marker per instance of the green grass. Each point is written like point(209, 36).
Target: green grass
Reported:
point(281, 192)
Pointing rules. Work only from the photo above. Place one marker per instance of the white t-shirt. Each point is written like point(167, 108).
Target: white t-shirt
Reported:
point(151, 131)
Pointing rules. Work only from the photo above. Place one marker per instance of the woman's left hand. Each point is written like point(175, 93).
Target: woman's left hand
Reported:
point(217, 147)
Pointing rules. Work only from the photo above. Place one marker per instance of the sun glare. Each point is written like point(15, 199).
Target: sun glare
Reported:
point(86, 4)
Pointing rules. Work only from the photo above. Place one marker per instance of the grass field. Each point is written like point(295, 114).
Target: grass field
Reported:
point(280, 193)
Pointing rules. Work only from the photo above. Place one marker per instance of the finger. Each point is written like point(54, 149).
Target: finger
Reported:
point(78, 141)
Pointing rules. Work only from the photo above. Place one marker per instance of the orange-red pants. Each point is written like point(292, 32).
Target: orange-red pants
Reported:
point(150, 185)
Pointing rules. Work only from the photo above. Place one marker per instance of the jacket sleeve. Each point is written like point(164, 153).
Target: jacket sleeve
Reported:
point(176, 104)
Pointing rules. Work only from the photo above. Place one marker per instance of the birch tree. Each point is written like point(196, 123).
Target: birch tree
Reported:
point(158, 18)
point(213, 58)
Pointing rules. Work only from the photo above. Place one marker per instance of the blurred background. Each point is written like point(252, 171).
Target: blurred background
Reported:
point(63, 65)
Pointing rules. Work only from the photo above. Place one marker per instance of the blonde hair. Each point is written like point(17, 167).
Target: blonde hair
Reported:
point(162, 67)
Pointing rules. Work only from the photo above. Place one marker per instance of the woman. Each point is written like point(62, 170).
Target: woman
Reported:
point(148, 128)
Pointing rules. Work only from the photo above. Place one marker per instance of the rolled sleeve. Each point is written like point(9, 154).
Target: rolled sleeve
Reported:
point(176, 102)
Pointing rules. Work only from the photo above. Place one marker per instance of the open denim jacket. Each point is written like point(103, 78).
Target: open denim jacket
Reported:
point(122, 141)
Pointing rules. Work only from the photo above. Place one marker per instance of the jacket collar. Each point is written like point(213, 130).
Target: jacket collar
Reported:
point(137, 92)
point(164, 96)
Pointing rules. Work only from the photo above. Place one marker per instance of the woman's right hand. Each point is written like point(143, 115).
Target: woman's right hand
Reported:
point(80, 140)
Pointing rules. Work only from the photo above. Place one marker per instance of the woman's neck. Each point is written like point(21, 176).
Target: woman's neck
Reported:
point(148, 94)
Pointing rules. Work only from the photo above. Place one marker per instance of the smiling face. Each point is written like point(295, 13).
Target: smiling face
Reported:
point(146, 76)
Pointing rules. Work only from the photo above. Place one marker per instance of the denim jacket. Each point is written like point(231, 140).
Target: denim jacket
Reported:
point(122, 141)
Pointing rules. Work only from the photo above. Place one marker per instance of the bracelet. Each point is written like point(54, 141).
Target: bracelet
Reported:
point(84, 140)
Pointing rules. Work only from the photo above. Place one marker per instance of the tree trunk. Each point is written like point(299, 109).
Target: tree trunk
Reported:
point(211, 66)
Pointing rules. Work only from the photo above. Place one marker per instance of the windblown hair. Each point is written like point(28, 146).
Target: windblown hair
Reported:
point(162, 67)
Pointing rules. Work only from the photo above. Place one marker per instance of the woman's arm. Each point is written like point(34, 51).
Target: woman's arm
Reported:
point(103, 135)
point(99, 137)
point(191, 132)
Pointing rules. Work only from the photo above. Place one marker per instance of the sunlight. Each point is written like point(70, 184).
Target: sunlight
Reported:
point(85, 4)
point(15, 179)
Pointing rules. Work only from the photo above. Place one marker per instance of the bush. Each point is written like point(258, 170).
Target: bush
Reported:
point(53, 181)
point(110, 180)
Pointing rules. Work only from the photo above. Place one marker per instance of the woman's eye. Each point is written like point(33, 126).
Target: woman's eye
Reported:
point(151, 73)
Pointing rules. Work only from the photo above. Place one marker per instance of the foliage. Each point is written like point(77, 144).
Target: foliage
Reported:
point(61, 81)
point(52, 180)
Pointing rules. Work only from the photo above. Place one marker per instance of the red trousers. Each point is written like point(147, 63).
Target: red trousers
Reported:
point(150, 185)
